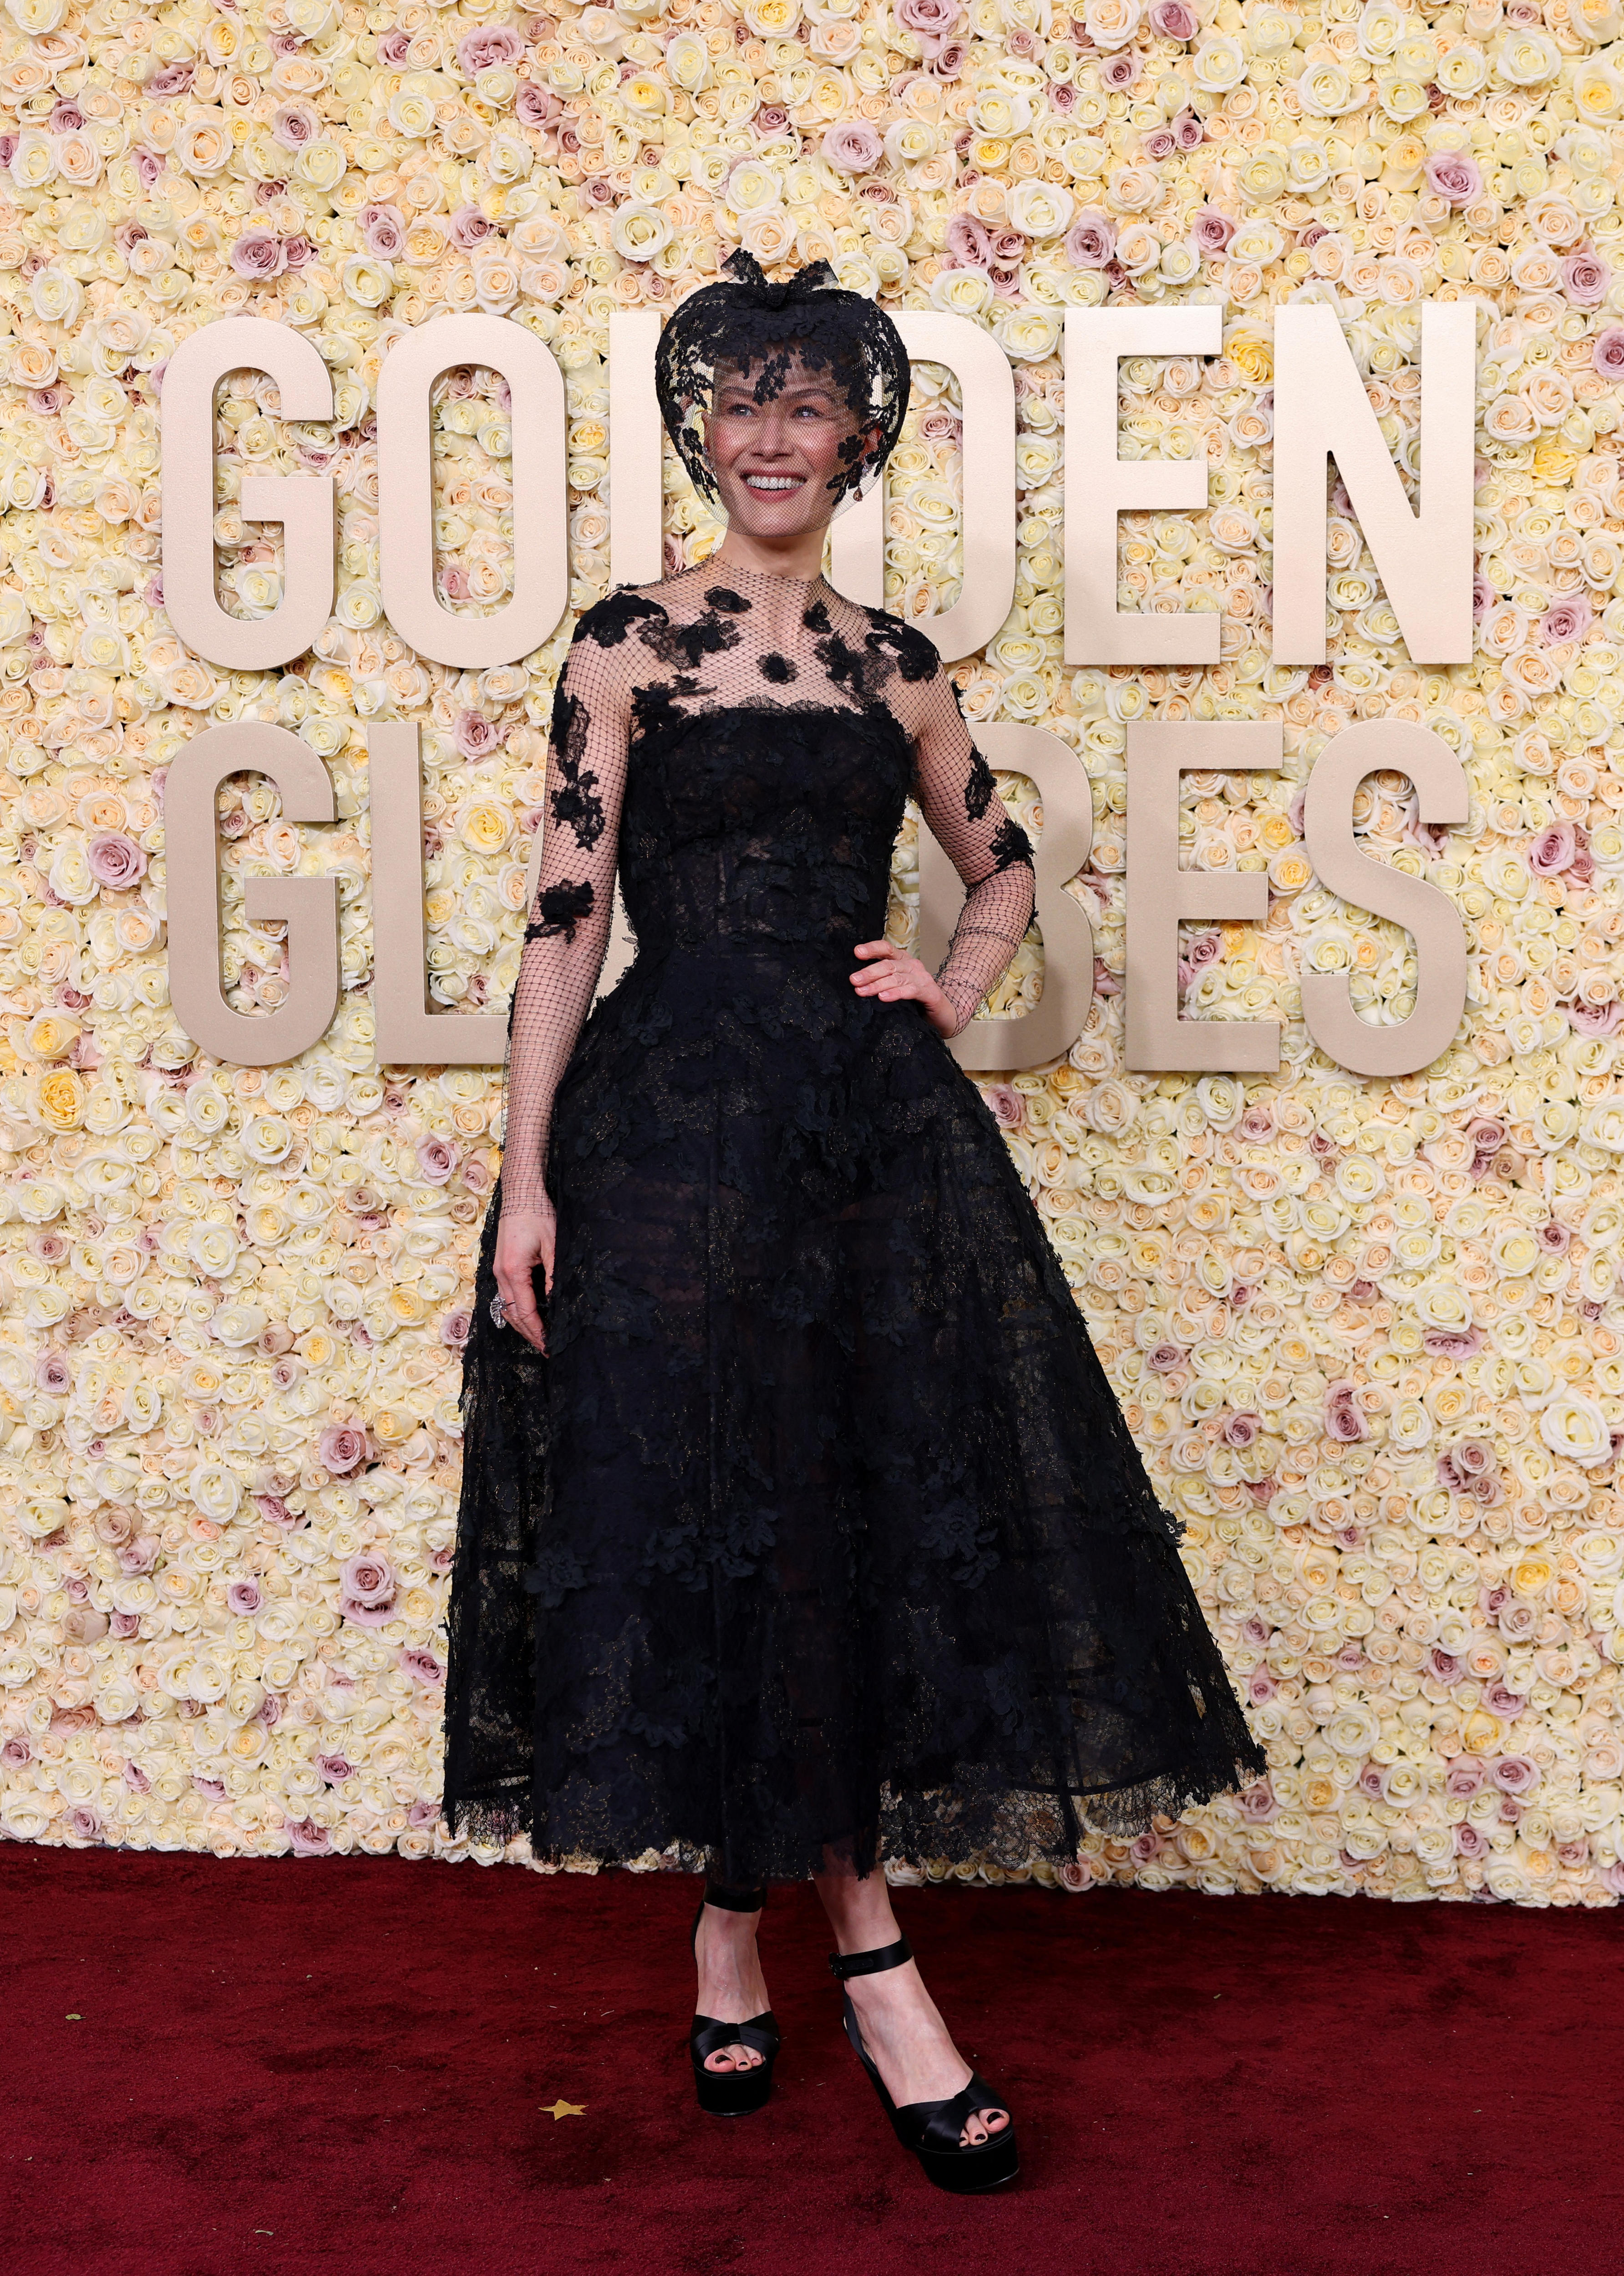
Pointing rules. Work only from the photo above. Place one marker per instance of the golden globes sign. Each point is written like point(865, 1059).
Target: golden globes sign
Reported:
point(1424, 555)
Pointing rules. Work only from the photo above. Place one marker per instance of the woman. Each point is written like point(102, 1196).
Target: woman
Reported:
point(799, 1520)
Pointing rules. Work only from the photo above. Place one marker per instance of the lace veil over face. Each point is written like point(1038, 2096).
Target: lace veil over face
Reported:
point(741, 321)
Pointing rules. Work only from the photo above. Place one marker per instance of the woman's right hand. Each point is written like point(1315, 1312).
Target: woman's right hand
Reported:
point(524, 1239)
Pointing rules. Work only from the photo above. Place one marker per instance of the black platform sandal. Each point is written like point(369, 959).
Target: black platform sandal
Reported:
point(732, 2093)
point(931, 2129)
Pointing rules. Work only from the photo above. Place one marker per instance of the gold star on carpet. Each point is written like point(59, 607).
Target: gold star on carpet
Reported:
point(562, 2109)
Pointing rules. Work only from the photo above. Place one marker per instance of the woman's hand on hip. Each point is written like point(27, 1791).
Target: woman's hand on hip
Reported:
point(894, 975)
point(524, 1240)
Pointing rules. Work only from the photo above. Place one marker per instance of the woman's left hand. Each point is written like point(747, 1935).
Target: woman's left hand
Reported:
point(896, 976)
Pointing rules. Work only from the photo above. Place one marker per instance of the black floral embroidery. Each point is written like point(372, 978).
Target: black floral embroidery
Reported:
point(731, 603)
point(980, 787)
point(916, 653)
point(560, 907)
point(610, 619)
point(706, 635)
point(1010, 845)
point(816, 617)
point(574, 799)
point(776, 668)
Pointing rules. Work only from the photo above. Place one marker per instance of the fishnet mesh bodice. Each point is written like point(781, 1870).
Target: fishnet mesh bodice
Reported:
point(709, 643)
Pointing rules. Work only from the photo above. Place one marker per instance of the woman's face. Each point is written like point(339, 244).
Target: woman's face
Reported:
point(774, 462)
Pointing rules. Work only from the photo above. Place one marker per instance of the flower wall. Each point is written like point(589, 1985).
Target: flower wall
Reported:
point(1367, 1333)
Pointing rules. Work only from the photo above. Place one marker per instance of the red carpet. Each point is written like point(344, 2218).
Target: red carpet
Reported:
point(280, 2066)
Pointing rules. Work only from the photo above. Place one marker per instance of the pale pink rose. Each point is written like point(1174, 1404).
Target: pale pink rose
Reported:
point(394, 48)
point(342, 1446)
point(852, 145)
point(174, 79)
point(423, 1667)
point(136, 1779)
point(1607, 355)
point(1443, 1667)
point(1261, 1687)
point(1091, 240)
point(1471, 1840)
point(1585, 279)
point(306, 1838)
point(937, 17)
point(1173, 20)
point(1568, 620)
point(1007, 1104)
point(1453, 1343)
point(52, 1375)
point(16, 1752)
point(968, 242)
point(1158, 143)
point(536, 106)
point(436, 1160)
point(1074, 1875)
point(334, 1768)
point(476, 736)
point(469, 227)
point(1552, 849)
point(115, 860)
point(367, 1581)
point(1514, 1774)
point(86, 1822)
point(1258, 1805)
point(384, 231)
point(1594, 1019)
point(65, 119)
point(148, 164)
point(1454, 177)
point(1188, 133)
point(1344, 1421)
point(1501, 1700)
point(1241, 1430)
point(293, 126)
point(1165, 1358)
point(259, 255)
point(245, 1598)
point(1211, 230)
point(273, 1508)
point(454, 1328)
point(1119, 70)
point(422, 1814)
point(492, 44)
point(476, 1174)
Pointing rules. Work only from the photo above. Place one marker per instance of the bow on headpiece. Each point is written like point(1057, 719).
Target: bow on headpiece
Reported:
point(744, 268)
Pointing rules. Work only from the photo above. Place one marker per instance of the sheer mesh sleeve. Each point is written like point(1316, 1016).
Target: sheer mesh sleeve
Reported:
point(568, 932)
point(959, 798)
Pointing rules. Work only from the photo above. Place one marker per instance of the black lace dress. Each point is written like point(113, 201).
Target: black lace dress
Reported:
point(817, 1529)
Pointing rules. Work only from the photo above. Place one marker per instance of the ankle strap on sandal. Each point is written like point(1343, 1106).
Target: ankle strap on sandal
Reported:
point(735, 1900)
point(845, 1964)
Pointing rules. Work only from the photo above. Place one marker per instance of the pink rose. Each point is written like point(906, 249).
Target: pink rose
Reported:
point(937, 17)
point(1188, 131)
point(1076, 1875)
point(17, 1751)
point(968, 242)
point(1344, 1419)
point(1501, 1701)
point(258, 254)
point(852, 145)
point(454, 1328)
point(293, 126)
point(1607, 355)
point(86, 1822)
point(1513, 1774)
point(536, 106)
point(306, 1838)
point(367, 1586)
point(342, 1446)
point(1471, 1840)
point(393, 47)
point(174, 79)
point(384, 231)
point(1120, 69)
point(52, 1375)
point(244, 1599)
point(436, 1160)
point(1007, 1104)
point(469, 227)
point(334, 1768)
point(1165, 1358)
point(423, 1667)
point(1594, 1019)
point(422, 1814)
point(148, 164)
point(1585, 279)
point(1258, 1805)
point(136, 1779)
point(1171, 19)
point(476, 736)
point(1568, 620)
point(1444, 1666)
point(1211, 230)
point(115, 860)
point(480, 50)
point(1552, 850)
point(1453, 177)
point(1158, 143)
point(1091, 240)
point(275, 1510)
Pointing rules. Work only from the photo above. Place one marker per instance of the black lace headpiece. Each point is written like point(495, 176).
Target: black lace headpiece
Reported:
point(741, 319)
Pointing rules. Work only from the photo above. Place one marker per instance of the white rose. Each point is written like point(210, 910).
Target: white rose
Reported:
point(1040, 208)
point(1574, 1427)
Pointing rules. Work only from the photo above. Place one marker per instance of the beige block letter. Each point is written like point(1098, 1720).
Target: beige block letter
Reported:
point(1160, 893)
point(1400, 746)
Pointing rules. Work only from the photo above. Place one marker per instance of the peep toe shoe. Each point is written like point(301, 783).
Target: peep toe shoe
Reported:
point(732, 2093)
point(931, 2129)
